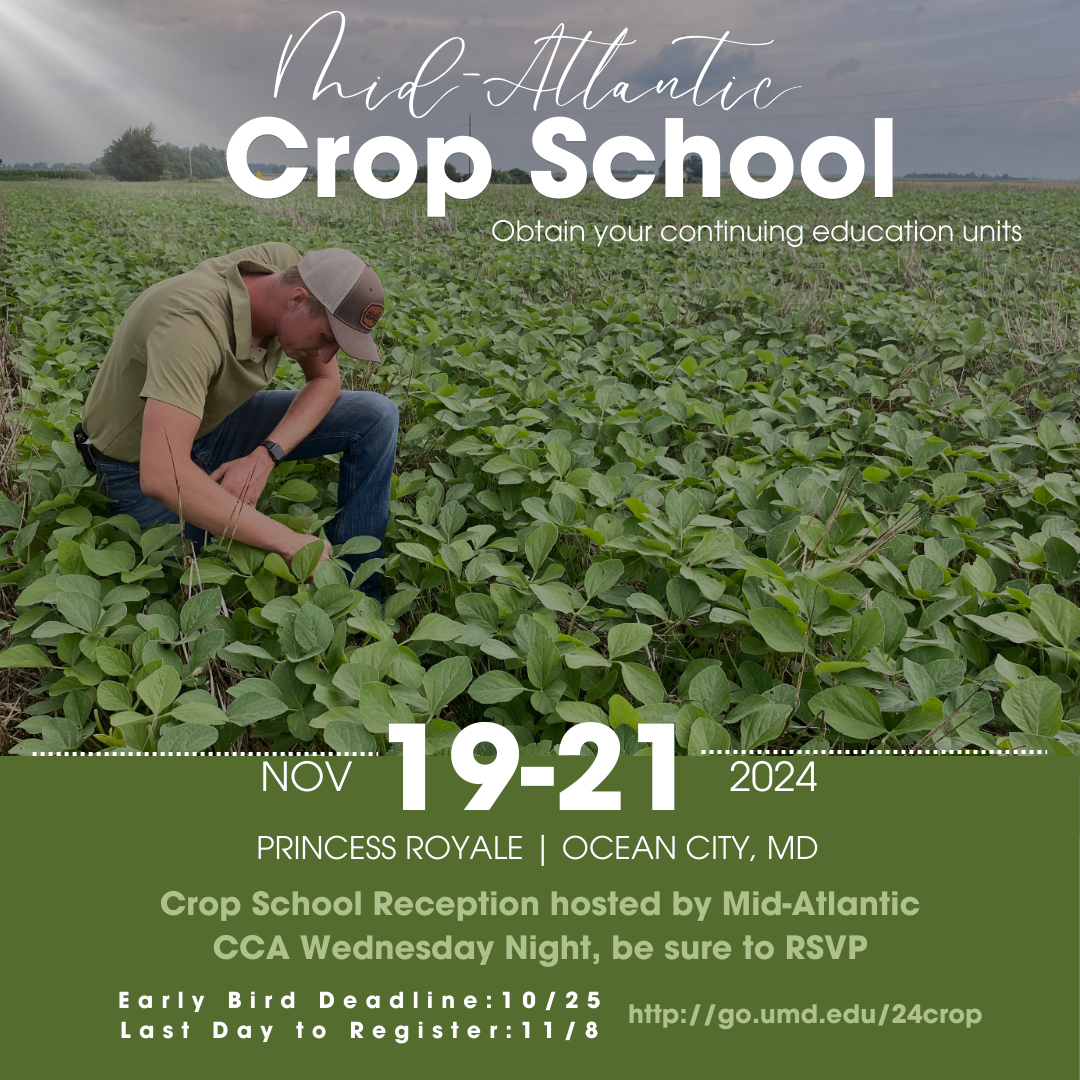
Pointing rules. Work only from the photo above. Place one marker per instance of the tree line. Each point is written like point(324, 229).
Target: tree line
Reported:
point(137, 156)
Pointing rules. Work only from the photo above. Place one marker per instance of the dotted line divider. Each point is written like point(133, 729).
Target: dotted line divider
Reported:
point(964, 752)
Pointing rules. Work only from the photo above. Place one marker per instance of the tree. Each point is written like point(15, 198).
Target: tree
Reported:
point(200, 162)
point(451, 173)
point(134, 156)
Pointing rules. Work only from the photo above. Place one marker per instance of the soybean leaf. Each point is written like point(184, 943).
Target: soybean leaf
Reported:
point(207, 571)
point(640, 601)
point(79, 609)
point(277, 566)
point(540, 541)
point(625, 639)
point(297, 491)
point(445, 680)
point(922, 685)
point(113, 697)
point(709, 688)
point(830, 667)
point(378, 710)
point(583, 658)
point(622, 713)
point(335, 598)
point(77, 706)
point(111, 661)
point(683, 596)
point(557, 597)
point(559, 457)
point(312, 630)
point(924, 717)
point(543, 663)
point(1061, 558)
point(59, 733)
point(348, 713)
point(1041, 743)
point(1034, 705)
point(1056, 618)
point(156, 538)
point(760, 726)
point(1009, 625)
point(867, 632)
point(348, 738)
point(851, 710)
point(207, 645)
point(24, 656)
point(436, 627)
point(291, 688)
point(643, 683)
point(707, 736)
point(82, 583)
point(476, 609)
point(399, 603)
point(159, 689)
point(299, 722)
point(306, 559)
point(439, 734)
point(166, 625)
point(266, 687)
point(186, 738)
point(51, 630)
point(358, 545)
point(602, 576)
point(580, 712)
point(105, 562)
point(495, 687)
point(781, 630)
point(349, 678)
point(199, 712)
point(251, 707)
point(947, 675)
point(925, 575)
point(200, 610)
point(893, 618)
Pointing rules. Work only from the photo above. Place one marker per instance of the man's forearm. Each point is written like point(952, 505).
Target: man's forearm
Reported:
point(222, 504)
point(197, 499)
point(312, 402)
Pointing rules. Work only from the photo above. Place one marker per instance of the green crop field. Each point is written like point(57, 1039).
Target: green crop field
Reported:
point(783, 497)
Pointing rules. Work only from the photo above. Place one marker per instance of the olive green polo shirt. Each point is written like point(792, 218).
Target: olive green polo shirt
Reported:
point(185, 341)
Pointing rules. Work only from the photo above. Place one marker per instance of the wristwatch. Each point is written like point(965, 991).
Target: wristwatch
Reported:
point(274, 450)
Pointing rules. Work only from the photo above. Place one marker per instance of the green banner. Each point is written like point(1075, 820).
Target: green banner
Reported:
point(809, 916)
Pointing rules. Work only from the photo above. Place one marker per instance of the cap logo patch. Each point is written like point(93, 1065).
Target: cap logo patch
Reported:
point(371, 315)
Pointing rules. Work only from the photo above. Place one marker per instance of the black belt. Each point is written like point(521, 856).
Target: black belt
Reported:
point(89, 454)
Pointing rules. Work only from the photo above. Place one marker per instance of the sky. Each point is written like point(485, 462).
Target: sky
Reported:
point(984, 86)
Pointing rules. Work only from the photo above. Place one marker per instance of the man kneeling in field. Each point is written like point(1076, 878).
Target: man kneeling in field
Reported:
point(178, 423)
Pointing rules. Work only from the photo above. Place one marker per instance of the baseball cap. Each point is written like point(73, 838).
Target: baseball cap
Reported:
point(351, 293)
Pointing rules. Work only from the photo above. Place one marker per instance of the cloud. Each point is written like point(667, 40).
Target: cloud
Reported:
point(78, 72)
point(684, 61)
point(844, 67)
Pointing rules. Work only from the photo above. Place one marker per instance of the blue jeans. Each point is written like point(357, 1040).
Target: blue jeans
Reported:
point(361, 426)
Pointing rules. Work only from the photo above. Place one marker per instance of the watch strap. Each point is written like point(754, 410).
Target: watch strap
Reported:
point(275, 451)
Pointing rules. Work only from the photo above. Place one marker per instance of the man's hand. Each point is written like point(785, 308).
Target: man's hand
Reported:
point(167, 474)
point(244, 478)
